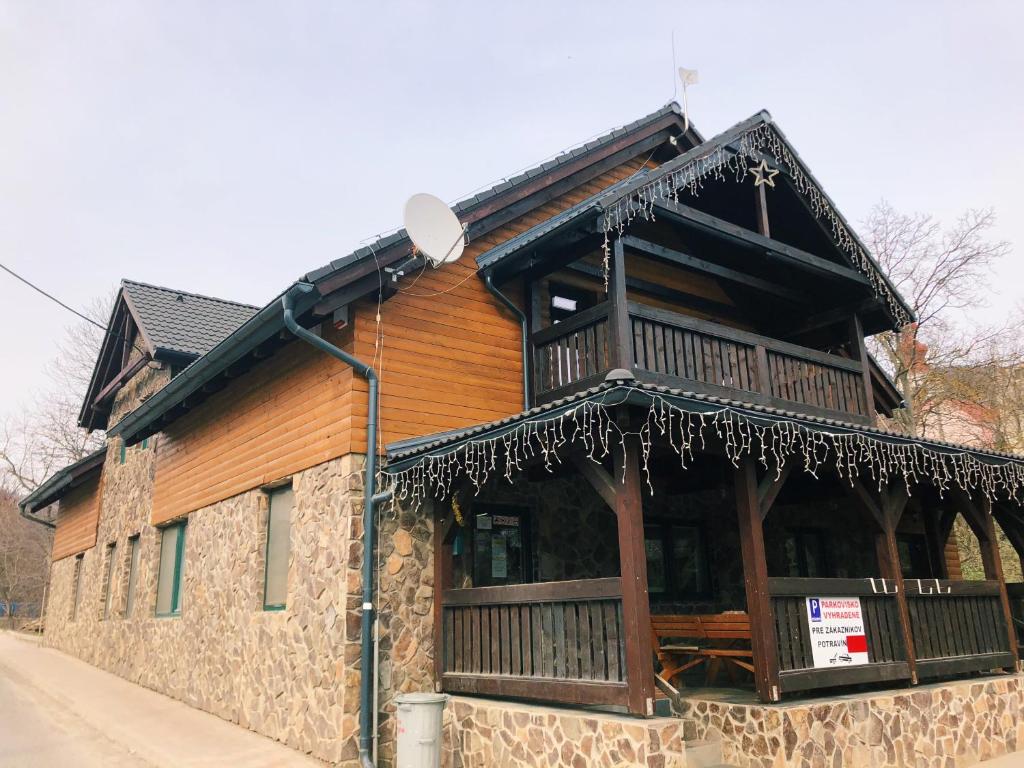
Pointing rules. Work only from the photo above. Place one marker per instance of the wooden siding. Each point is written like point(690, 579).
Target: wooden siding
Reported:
point(78, 518)
point(288, 413)
point(449, 355)
point(952, 555)
point(446, 354)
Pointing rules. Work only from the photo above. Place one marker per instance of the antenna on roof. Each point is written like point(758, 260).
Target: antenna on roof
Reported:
point(434, 229)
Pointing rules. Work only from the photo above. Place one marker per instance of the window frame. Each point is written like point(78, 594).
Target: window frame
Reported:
point(108, 597)
point(179, 570)
point(673, 592)
point(134, 561)
point(76, 596)
point(271, 492)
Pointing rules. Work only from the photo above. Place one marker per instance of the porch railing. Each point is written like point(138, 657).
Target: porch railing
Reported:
point(557, 641)
point(886, 652)
point(957, 626)
point(678, 350)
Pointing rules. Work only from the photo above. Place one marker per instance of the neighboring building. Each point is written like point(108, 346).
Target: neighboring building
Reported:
point(639, 404)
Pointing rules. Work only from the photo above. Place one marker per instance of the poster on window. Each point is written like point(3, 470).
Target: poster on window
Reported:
point(499, 558)
point(837, 633)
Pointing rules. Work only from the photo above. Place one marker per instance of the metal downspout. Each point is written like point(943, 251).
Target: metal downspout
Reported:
point(371, 499)
point(525, 339)
point(28, 516)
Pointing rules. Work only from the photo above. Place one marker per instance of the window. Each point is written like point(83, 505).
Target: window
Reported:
point(134, 551)
point(172, 556)
point(805, 553)
point(677, 565)
point(76, 588)
point(501, 539)
point(275, 585)
point(109, 586)
point(914, 561)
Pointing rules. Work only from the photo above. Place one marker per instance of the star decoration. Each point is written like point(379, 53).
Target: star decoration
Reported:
point(764, 175)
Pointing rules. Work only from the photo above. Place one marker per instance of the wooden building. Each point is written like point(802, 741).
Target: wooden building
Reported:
point(639, 420)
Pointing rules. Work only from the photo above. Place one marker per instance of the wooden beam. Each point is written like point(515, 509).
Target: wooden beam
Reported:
point(860, 352)
point(636, 612)
point(796, 257)
point(840, 314)
point(620, 352)
point(689, 300)
point(770, 486)
point(598, 478)
point(687, 261)
point(761, 208)
point(755, 577)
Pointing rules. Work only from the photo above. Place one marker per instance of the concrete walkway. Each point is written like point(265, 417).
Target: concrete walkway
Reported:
point(56, 710)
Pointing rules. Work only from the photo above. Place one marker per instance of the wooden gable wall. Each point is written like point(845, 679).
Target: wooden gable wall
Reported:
point(78, 518)
point(448, 357)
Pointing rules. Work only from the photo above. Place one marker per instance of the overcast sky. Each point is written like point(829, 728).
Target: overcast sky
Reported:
point(228, 147)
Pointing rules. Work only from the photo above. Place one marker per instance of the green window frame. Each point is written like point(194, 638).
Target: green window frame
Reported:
point(281, 502)
point(77, 592)
point(111, 571)
point(134, 555)
point(171, 571)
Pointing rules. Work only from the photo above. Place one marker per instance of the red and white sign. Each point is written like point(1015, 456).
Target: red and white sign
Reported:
point(837, 633)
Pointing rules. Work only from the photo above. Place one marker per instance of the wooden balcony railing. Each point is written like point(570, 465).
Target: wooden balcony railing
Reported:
point(886, 651)
point(557, 641)
point(678, 350)
point(958, 626)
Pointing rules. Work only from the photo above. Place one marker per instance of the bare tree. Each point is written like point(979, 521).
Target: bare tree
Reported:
point(940, 272)
point(24, 560)
point(44, 435)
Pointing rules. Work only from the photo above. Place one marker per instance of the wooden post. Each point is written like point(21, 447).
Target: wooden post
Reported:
point(936, 542)
point(755, 578)
point(860, 354)
point(993, 564)
point(636, 613)
point(620, 350)
point(444, 529)
point(887, 511)
point(761, 205)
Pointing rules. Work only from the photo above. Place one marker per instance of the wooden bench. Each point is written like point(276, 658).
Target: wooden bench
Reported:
point(717, 636)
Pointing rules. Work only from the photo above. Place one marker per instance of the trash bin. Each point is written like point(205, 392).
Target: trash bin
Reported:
point(419, 729)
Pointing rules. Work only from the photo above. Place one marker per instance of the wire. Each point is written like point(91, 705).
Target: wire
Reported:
point(70, 309)
point(51, 297)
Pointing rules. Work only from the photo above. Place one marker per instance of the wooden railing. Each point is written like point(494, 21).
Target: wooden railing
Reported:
point(958, 626)
point(765, 370)
point(1015, 595)
point(557, 641)
point(886, 652)
point(572, 351)
point(678, 350)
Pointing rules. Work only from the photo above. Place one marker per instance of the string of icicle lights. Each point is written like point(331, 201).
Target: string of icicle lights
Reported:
point(590, 427)
point(690, 177)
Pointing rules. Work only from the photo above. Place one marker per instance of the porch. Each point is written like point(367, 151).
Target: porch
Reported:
point(558, 536)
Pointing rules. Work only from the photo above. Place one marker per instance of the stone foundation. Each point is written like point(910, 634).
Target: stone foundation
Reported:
point(479, 733)
point(945, 725)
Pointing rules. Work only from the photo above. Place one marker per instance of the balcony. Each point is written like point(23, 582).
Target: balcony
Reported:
point(676, 350)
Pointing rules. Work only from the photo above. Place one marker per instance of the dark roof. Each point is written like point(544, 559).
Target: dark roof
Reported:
point(506, 185)
point(601, 202)
point(403, 453)
point(267, 321)
point(62, 481)
point(183, 322)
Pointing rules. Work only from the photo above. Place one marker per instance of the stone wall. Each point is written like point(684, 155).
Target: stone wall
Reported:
point(945, 725)
point(480, 733)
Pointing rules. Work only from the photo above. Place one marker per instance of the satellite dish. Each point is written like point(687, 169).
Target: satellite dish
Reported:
point(434, 229)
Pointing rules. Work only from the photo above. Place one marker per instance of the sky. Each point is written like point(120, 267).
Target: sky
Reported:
point(227, 147)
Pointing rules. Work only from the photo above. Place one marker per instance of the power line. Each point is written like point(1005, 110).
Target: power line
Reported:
point(51, 297)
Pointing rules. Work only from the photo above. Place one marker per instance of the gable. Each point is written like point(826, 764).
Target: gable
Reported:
point(150, 323)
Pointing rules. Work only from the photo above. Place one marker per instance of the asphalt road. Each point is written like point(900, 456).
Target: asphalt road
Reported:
point(58, 711)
